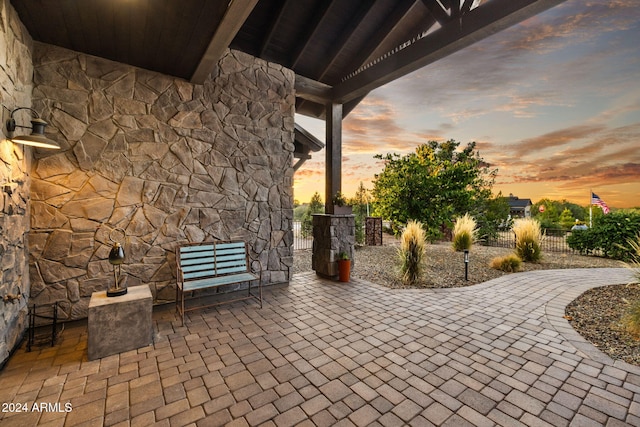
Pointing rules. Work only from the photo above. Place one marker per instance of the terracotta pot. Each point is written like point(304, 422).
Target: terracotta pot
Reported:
point(344, 270)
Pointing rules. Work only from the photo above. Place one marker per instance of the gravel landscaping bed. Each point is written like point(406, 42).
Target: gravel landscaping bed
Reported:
point(596, 315)
point(444, 266)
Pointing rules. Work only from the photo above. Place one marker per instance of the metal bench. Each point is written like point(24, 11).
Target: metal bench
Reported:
point(210, 265)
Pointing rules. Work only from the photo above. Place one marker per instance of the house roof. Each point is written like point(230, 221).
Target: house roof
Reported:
point(339, 50)
point(516, 203)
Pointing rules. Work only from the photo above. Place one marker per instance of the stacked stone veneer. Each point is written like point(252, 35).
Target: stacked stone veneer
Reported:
point(167, 161)
point(16, 72)
point(332, 235)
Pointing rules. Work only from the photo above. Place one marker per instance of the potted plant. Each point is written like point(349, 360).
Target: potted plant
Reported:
point(344, 267)
point(340, 206)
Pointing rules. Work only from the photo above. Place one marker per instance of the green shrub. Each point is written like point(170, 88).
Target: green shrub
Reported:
point(411, 252)
point(528, 239)
point(583, 241)
point(465, 233)
point(509, 263)
point(610, 234)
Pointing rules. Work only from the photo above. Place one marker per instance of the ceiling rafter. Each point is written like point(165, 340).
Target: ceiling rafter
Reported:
point(237, 12)
point(438, 11)
point(393, 21)
point(478, 24)
point(313, 27)
point(272, 28)
point(466, 6)
point(345, 37)
point(341, 44)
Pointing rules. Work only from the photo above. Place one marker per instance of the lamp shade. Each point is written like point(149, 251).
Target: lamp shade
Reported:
point(116, 255)
point(37, 138)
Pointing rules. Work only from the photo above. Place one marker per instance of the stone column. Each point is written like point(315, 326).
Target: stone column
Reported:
point(332, 235)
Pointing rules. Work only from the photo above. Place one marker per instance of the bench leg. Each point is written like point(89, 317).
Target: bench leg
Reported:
point(180, 302)
point(182, 305)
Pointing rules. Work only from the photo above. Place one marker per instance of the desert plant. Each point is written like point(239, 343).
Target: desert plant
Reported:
point(631, 319)
point(633, 262)
point(411, 252)
point(528, 239)
point(465, 233)
point(508, 263)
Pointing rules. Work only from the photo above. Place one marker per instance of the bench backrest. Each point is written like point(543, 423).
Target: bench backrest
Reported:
point(199, 261)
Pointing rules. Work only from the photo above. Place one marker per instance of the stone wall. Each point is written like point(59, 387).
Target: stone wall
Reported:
point(167, 161)
point(16, 71)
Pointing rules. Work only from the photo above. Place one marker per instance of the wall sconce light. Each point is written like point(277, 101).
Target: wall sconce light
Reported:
point(37, 138)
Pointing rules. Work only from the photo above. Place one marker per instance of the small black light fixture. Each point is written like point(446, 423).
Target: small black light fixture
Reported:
point(466, 264)
point(116, 258)
point(37, 138)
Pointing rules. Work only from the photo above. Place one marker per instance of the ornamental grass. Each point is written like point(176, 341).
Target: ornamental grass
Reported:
point(634, 257)
point(411, 252)
point(465, 233)
point(508, 263)
point(631, 320)
point(528, 239)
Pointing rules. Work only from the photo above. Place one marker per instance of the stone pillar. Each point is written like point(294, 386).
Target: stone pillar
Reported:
point(332, 235)
point(16, 87)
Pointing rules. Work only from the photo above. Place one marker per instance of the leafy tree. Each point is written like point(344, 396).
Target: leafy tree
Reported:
point(299, 212)
point(359, 205)
point(567, 219)
point(433, 185)
point(315, 206)
point(491, 216)
point(557, 213)
point(550, 216)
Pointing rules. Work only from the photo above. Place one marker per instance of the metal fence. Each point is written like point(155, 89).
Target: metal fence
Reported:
point(299, 240)
point(555, 240)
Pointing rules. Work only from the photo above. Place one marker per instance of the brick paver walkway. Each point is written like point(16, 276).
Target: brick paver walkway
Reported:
point(324, 353)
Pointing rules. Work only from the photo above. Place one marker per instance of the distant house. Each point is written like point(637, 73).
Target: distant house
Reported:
point(519, 208)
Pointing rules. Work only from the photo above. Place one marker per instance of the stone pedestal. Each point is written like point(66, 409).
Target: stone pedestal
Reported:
point(332, 235)
point(118, 324)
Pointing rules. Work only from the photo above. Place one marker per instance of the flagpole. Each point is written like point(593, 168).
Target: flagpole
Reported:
point(590, 210)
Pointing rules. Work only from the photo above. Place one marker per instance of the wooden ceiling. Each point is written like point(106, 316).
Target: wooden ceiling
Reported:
point(339, 49)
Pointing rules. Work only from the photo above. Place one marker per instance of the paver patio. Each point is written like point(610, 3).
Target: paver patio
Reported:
point(326, 353)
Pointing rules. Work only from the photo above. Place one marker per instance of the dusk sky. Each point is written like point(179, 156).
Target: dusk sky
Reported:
point(553, 103)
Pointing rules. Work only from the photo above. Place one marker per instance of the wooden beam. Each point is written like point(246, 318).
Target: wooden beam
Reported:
point(333, 154)
point(477, 24)
point(232, 21)
point(312, 90)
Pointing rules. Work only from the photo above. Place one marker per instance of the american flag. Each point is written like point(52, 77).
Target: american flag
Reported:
point(595, 200)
